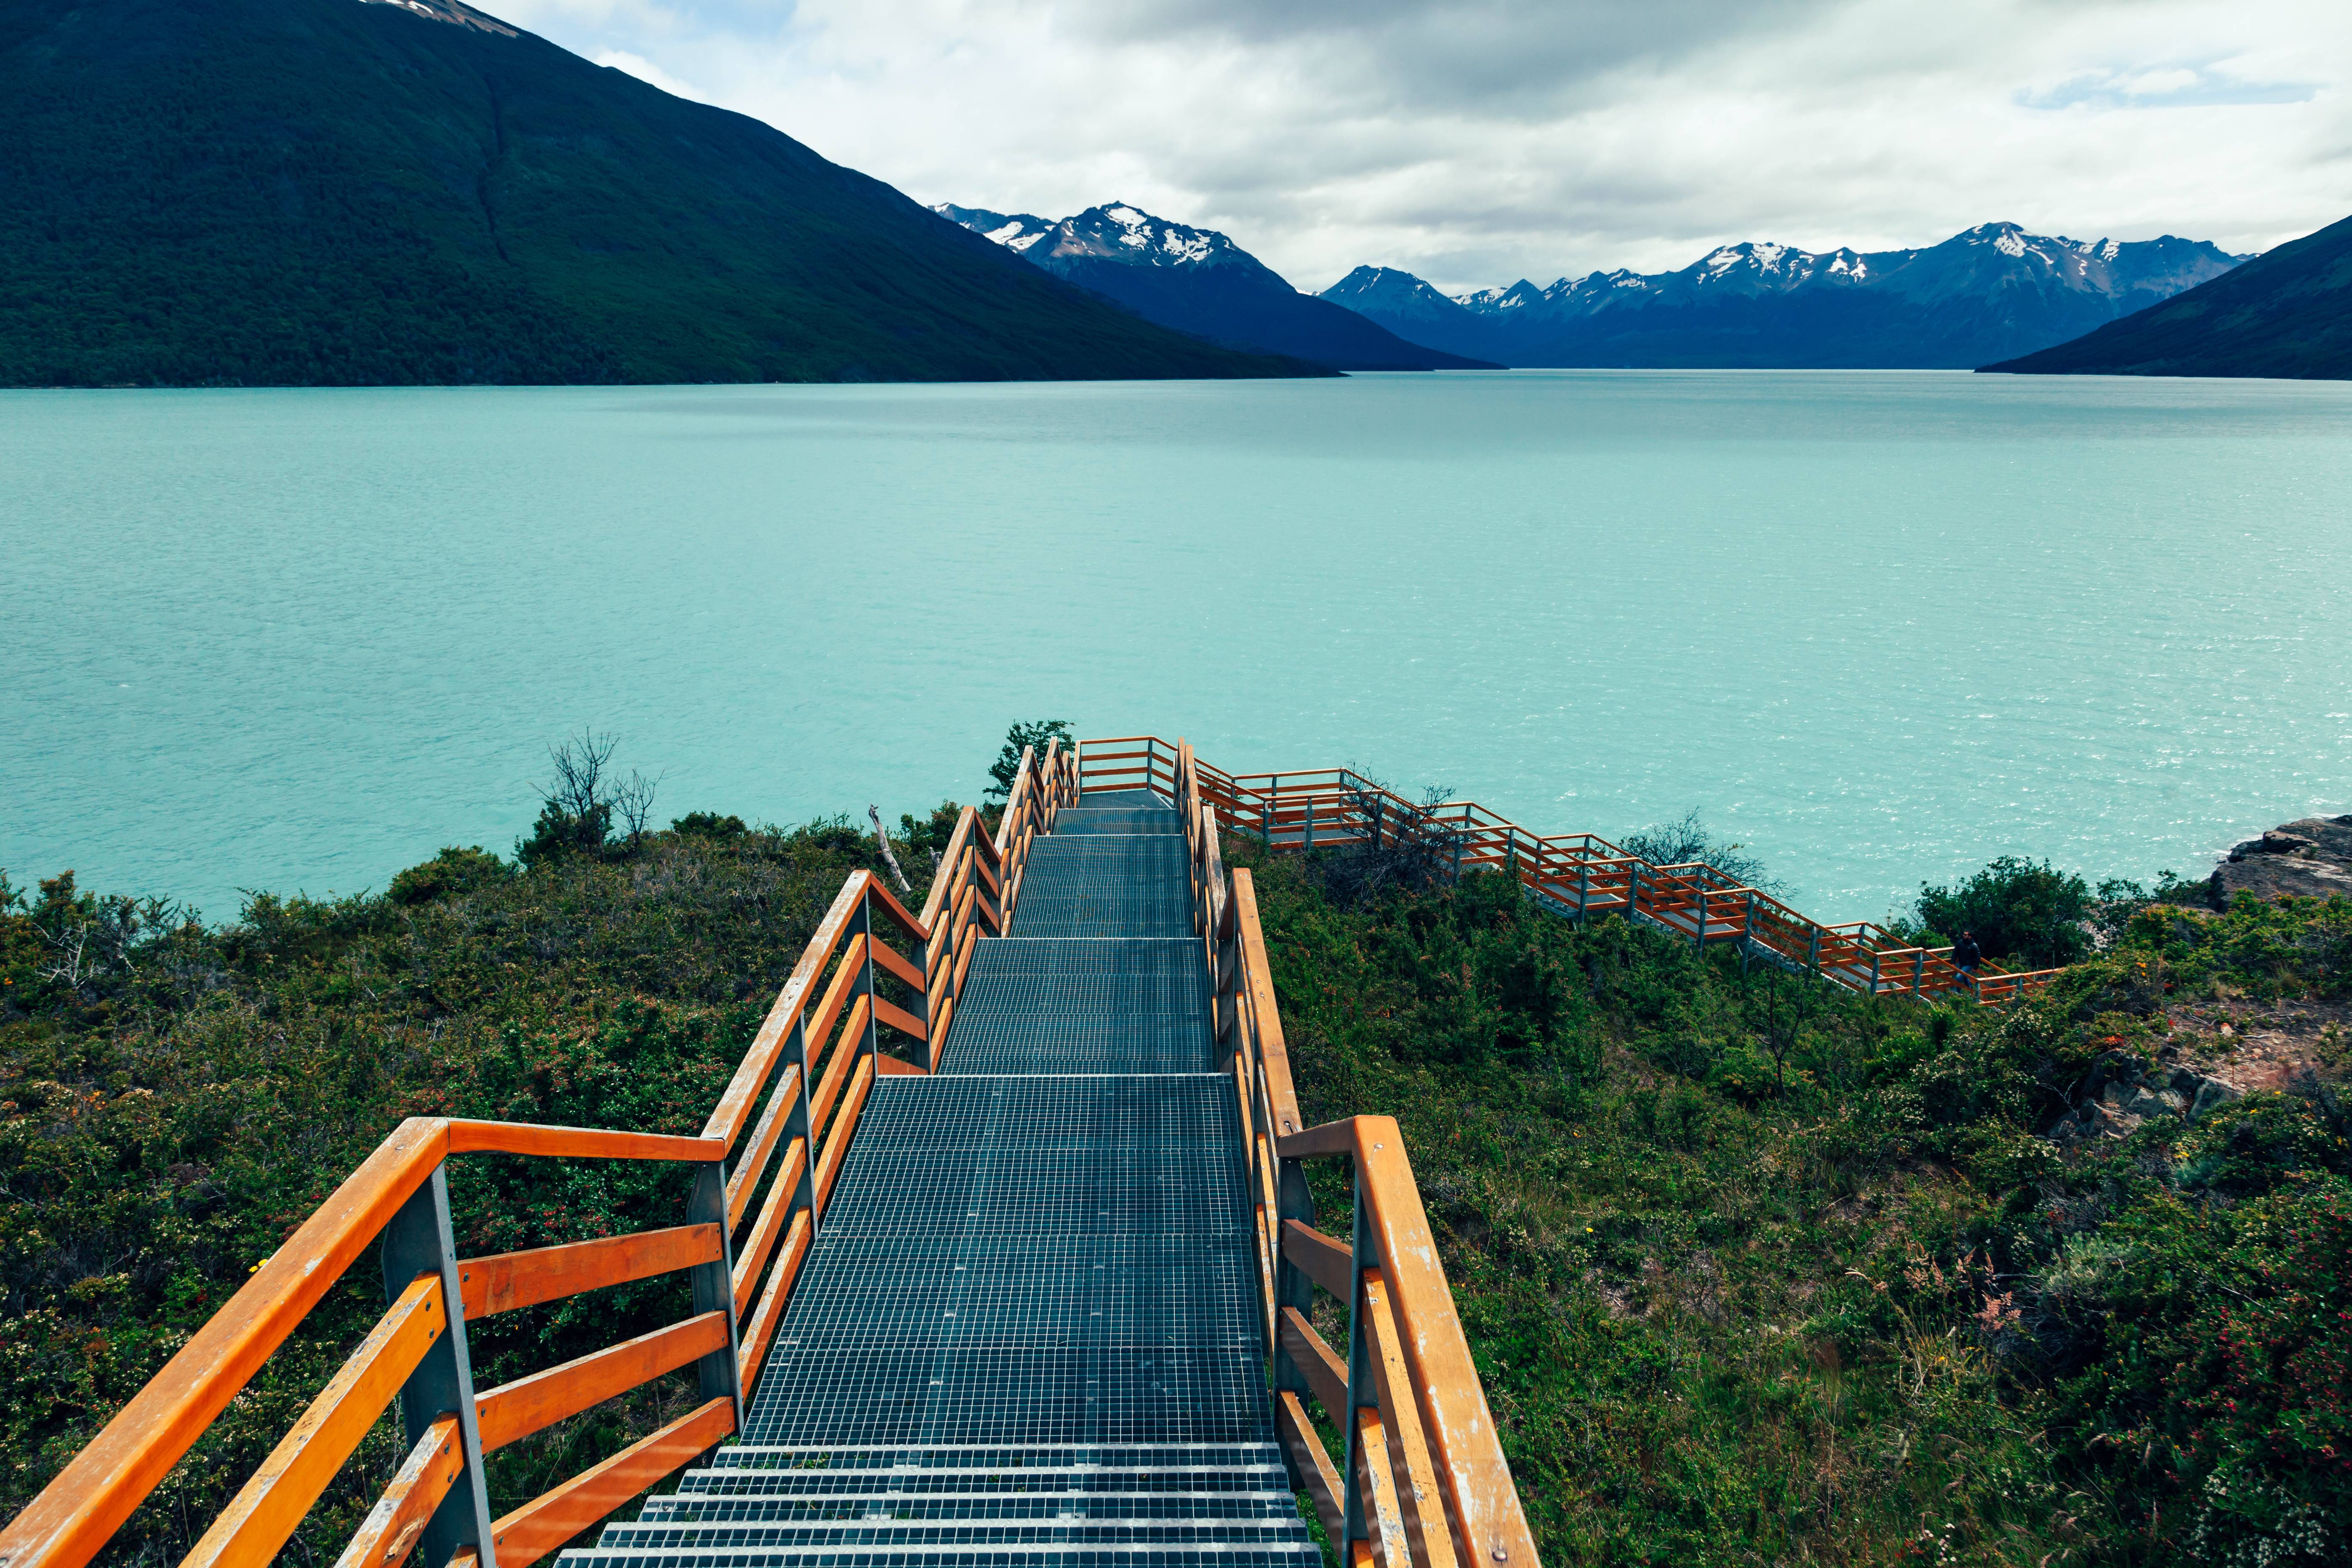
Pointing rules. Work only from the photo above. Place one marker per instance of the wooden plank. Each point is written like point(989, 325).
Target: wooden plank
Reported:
point(939, 1033)
point(1312, 1461)
point(577, 1143)
point(828, 1164)
point(1420, 1501)
point(745, 1178)
point(76, 1514)
point(266, 1511)
point(1326, 1374)
point(1383, 1522)
point(1471, 1470)
point(390, 1531)
point(540, 1526)
point(891, 1067)
point(756, 1247)
point(898, 1018)
point(504, 1281)
point(906, 922)
point(1273, 1055)
point(820, 1028)
point(761, 1328)
point(851, 1050)
point(964, 963)
point(513, 1411)
point(889, 958)
point(734, 1109)
point(1327, 1259)
point(932, 905)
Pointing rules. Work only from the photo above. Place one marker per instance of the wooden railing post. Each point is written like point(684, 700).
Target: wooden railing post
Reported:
point(714, 1291)
point(419, 1240)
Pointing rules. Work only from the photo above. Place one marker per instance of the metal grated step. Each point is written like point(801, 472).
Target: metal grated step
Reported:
point(1028, 1331)
point(1104, 885)
point(1109, 1004)
point(1302, 1555)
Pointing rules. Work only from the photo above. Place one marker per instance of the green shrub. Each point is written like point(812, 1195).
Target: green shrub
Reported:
point(2027, 914)
point(453, 871)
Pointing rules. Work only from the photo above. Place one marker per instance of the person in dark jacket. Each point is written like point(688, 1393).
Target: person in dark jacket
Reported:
point(1967, 955)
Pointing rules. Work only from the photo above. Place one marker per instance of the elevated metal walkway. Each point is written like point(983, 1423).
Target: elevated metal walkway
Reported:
point(1030, 1323)
point(999, 1250)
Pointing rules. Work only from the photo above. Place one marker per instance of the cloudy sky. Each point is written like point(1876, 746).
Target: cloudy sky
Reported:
point(1475, 144)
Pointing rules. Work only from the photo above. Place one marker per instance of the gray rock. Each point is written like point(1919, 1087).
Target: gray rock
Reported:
point(2310, 857)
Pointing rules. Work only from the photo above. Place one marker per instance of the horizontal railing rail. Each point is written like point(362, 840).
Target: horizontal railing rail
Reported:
point(764, 1168)
point(1424, 1483)
point(1578, 874)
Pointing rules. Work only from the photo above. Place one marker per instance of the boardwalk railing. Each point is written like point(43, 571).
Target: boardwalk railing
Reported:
point(1423, 1483)
point(771, 1151)
point(1576, 874)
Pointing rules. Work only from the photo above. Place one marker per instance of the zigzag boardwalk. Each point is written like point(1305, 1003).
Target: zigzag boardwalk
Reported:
point(1030, 1324)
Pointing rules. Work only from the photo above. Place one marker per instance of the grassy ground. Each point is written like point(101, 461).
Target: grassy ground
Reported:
point(1757, 1270)
point(179, 1099)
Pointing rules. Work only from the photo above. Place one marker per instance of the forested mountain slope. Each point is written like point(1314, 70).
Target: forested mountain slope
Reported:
point(324, 192)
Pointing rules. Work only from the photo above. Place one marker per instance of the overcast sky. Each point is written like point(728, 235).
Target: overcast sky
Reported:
point(1478, 143)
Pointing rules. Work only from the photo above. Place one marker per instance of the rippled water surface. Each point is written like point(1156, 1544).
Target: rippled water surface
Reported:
point(1880, 626)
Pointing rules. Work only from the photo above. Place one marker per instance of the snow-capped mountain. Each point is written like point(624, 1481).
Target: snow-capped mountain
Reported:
point(1988, 293)
point(1199, 281)
point(1014, 231)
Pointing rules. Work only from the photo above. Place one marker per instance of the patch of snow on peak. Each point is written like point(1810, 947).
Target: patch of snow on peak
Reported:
point(2009, 242)
point(1768, 255)
point(2110, 249)
point(1008, 234)
point(1185, 245)
point(1723, 260)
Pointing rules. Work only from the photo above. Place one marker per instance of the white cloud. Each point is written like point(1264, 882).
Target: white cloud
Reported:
point(1479, 142)
point(644, 69)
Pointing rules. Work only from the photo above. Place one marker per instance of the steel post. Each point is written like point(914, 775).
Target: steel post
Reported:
point(419, 1240)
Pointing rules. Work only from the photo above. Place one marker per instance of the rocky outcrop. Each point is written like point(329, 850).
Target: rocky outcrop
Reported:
point(2123, 1091)
point(2309, 859)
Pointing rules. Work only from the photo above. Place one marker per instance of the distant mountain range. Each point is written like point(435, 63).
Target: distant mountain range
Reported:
point(1992, 292)
point(2287, 312)
point(1199, 281)
point(321, 191)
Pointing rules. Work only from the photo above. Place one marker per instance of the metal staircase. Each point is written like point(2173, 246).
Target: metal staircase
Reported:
point(1031, 1322)
point(999, 1246)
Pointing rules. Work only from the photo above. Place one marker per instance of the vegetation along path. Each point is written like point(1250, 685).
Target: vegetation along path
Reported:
point(1749, 1267)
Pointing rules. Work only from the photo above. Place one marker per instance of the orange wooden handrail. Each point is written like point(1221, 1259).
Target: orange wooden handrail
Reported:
point(513, 1411)
point(1425, 1484)
point(539, 1526)
point(1578, 873)
point(89, 1500)
point(263, 1515)
point(507, 1281)
point(394, 1526)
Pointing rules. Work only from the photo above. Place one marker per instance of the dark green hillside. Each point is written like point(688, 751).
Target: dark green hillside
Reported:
point(323, 192)
point(2287, 313)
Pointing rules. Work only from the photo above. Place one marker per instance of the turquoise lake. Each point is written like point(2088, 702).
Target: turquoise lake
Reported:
point(1880, 627)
